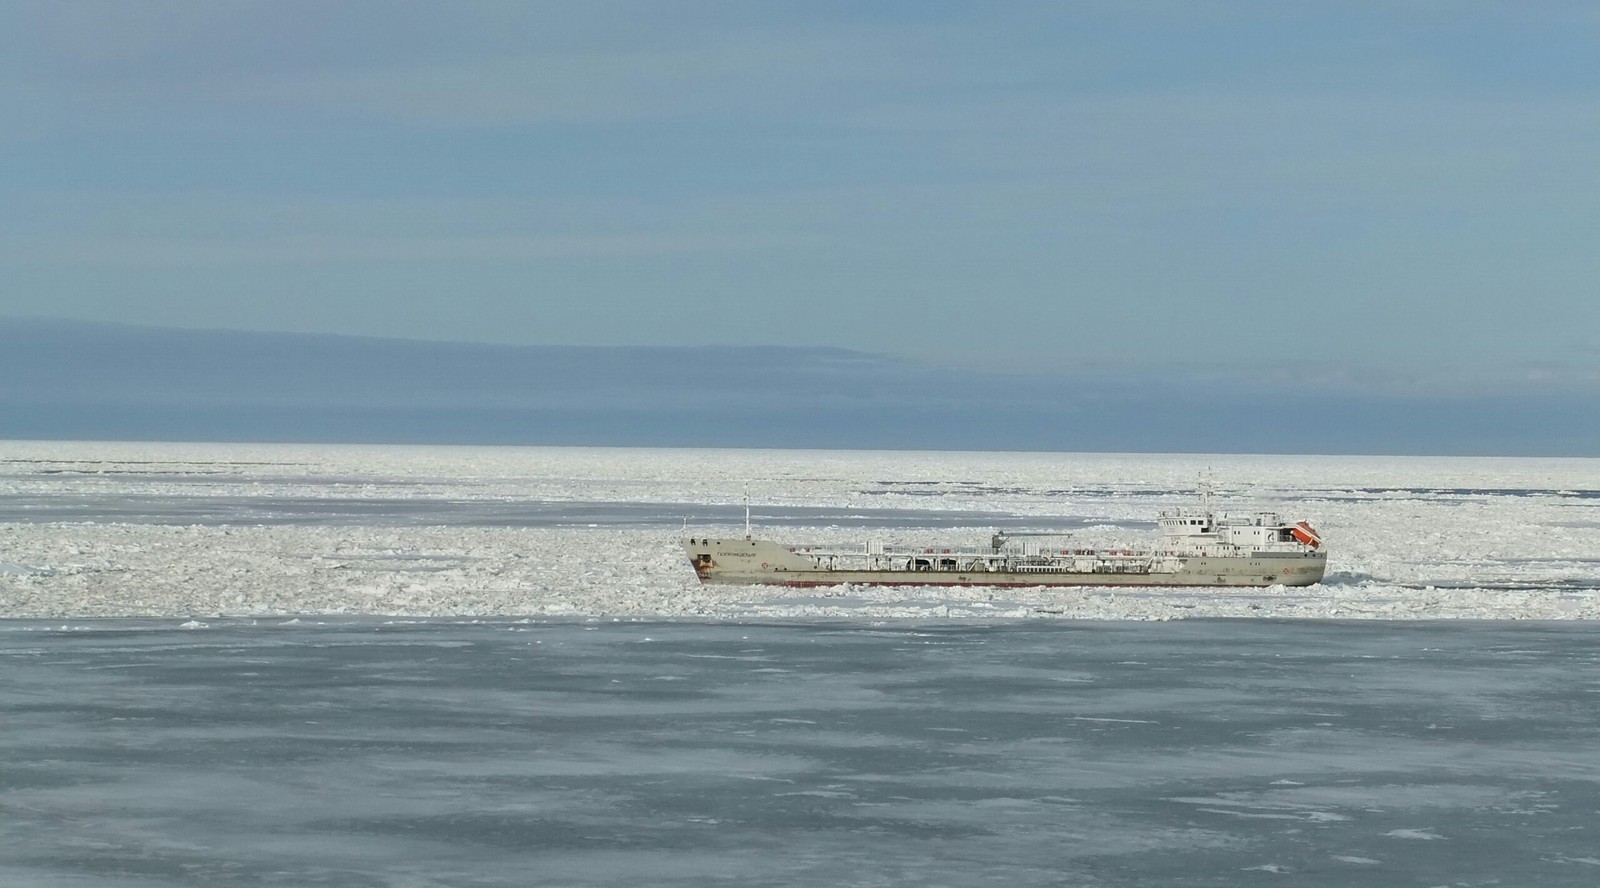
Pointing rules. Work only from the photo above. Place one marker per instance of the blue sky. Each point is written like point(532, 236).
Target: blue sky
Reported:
point(1382, 195)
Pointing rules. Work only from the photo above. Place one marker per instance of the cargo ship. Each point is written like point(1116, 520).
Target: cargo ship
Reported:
point(1193, 547)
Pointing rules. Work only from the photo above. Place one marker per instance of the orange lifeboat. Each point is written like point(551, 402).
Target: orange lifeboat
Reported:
point(1305, 534)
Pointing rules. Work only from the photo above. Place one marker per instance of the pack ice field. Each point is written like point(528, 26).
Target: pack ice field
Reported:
point(93, 529)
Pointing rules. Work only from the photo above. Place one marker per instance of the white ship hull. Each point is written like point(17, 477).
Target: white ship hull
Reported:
point(1195, 548)
point(762, 562)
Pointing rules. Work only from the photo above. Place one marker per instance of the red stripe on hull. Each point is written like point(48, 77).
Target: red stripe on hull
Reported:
point(808, 584)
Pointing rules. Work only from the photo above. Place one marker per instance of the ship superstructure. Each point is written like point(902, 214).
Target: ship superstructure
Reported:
point(1194, 547)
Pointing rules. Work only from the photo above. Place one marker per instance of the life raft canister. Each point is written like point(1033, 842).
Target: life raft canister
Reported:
point(1305, 534)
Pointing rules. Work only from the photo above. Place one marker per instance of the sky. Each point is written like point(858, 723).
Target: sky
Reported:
point(1405, 193)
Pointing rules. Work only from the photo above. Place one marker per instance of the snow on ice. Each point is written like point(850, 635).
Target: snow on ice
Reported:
point(117, 529)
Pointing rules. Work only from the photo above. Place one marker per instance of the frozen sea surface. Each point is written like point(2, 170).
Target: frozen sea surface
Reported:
point(107, 529)
point(363, 752)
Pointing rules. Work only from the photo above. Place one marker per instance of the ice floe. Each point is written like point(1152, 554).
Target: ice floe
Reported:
point(193, 530)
